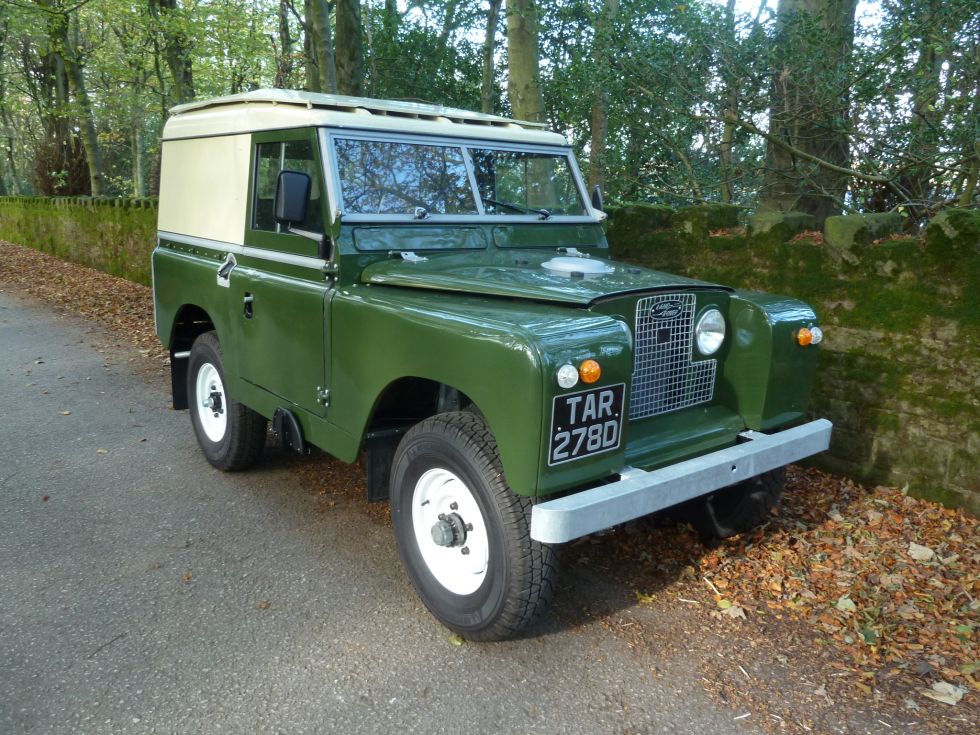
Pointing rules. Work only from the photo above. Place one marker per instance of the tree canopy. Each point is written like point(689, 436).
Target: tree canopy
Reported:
point(818, 105)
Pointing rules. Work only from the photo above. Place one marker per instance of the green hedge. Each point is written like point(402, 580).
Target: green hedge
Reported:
point(112, 235)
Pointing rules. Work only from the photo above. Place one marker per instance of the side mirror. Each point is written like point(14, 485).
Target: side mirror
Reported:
point(597, 202)
point(292, 196)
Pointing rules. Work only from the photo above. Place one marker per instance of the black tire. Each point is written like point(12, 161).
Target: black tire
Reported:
point(239, 443)
point(736, 509)
point(520, 573)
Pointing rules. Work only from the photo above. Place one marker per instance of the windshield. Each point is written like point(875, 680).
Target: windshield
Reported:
point(523, 182)
point(379, 177)
point(421, 180)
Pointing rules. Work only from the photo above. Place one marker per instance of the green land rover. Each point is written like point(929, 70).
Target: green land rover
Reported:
point(433, 287)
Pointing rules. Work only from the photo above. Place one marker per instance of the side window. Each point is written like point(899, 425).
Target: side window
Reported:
point(270, 159)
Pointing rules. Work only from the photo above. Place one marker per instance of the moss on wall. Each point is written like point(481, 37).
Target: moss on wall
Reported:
point(899, 367)
point(901, 361)
point(846, 234)
point(113, 235)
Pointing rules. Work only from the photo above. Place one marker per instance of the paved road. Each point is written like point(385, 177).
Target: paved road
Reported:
point(132, 581)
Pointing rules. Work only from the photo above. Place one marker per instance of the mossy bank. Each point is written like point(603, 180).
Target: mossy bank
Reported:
point(900, 366)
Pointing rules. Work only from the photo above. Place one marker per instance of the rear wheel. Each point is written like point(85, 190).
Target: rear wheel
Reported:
point(231, 435)
point(463, 535)
point(736, 509)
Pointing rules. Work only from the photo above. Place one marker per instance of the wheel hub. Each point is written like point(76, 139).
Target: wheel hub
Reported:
point(213, 402)
point(449, 530)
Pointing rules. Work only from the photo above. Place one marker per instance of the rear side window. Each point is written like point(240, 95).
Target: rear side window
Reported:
point(270, 159)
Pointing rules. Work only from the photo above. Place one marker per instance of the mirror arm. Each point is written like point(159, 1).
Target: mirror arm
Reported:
point(321, 240)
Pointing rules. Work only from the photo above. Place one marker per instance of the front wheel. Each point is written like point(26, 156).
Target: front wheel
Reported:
point(231, 435)
point(463, 535)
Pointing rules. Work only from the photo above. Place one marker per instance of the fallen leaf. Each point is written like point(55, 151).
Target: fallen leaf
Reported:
point(734, 611)
point(921, 553)
point(66, 413)
point(845, 604)
point(456, 639)
point(264, 605)
point(724, 604)
point(101, 451)
point(186, 577)
point(943, 691)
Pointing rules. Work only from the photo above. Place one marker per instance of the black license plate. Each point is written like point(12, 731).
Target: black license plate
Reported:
point(585, 423)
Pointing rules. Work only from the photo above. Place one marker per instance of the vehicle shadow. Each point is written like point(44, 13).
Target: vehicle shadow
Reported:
point(607, 573)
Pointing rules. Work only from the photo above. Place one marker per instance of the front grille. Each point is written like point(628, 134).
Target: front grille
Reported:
point(664, 377)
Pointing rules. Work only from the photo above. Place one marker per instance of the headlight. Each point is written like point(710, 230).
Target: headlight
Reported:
point(567, 376)
point(710, 332)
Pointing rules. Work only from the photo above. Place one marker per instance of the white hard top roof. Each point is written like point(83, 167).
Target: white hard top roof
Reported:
point(270, 109)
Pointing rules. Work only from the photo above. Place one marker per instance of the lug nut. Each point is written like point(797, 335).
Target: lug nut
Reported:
point(465, 550)
point(454, 506)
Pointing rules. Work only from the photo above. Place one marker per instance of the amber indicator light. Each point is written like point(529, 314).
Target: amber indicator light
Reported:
point(589, 371)
point(804, 337)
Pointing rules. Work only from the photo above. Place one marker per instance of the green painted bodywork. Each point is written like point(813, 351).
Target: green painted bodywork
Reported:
point(479, 315)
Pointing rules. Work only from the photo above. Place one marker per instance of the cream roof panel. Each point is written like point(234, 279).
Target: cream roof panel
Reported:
point(277, 109)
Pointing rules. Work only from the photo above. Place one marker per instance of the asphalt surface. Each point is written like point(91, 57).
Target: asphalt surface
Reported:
point(141, 591)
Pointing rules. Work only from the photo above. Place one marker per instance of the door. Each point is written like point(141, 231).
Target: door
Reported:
point(279, 286)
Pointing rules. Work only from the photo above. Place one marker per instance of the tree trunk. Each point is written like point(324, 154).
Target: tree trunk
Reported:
point(923, 142)
point(76, 80)
point(489, 43)
point(176, 50)
point(731, 105)
point(350, 48)
point(600, 105)
point(284, 60)
point(523, 72)
point(11, 185)
point(321, 38)
point(809, 106)
point(391, 20)
point(62, 35)
point(448, 26)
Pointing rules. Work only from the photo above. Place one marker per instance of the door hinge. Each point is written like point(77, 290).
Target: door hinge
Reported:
point(322, 396)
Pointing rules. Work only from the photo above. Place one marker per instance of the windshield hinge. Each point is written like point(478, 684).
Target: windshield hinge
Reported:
point(573, 251)
point(410, 257)
point(322, 396)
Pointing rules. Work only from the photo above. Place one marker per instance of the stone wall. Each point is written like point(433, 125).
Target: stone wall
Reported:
point(899, 371)
point(113, 235)
point(900, 368)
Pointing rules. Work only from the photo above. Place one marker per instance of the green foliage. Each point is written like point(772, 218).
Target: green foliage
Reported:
point(674, 76)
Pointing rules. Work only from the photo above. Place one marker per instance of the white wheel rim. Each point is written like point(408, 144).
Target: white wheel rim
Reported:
point(440, 492)
point(211, 402)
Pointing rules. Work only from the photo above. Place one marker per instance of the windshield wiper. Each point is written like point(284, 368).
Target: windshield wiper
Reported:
point(542, 213)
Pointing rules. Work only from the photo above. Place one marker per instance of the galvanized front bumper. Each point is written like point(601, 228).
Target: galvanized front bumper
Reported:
point(639, 493)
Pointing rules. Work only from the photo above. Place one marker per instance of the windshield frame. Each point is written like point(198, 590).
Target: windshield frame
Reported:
point(335, 188)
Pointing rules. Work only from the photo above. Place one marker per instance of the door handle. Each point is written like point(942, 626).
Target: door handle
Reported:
point(225, 269)
point(247, 302)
